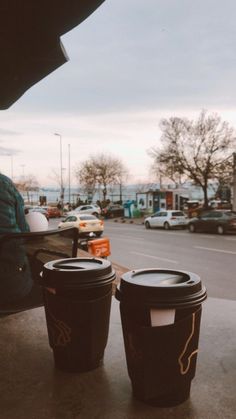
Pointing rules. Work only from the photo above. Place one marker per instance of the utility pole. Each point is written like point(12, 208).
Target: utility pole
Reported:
point(61, 175)
point(120, 192)
point(11, 157)
point(11, 166)
point(234, 181)
point(23, 171)
point(69, 170)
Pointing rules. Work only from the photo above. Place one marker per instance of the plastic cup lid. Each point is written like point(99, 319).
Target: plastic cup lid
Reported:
point(161, 288)
point(78, 272)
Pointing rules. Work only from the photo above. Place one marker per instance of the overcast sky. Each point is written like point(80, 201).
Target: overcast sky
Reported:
point(131, 63)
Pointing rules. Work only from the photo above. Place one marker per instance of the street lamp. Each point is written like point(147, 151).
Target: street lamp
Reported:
point(69, 170)
point(234, 181)
point(23, 170)
point(11, 156)
point(62, 189)
point(12, 166)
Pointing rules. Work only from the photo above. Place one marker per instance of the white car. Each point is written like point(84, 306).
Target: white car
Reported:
point(166, 219)
point(93, 209)
point(85, 223)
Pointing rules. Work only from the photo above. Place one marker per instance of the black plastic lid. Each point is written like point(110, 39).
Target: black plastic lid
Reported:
point(77, 273)
point(161, 288)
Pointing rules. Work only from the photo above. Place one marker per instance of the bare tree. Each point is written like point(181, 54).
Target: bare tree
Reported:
point(85, 173)
point(198, 150)
point(28, 184)
point(102, 171)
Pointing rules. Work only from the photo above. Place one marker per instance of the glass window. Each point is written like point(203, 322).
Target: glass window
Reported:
point(212, 214)
point(87, 217)
point(218, 215)
point(178, 214)
point(206, 215)
point(71, 218)
point(230, 214)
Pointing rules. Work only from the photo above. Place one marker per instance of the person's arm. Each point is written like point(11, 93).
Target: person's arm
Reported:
point(20, 215)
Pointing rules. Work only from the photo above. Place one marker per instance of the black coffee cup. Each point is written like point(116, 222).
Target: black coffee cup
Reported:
point(160, 313)
point(77, 297)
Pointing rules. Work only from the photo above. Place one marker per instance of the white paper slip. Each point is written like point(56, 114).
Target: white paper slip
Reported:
point(162, 317)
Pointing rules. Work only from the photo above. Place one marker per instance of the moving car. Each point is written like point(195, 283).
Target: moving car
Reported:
point(113, 210)
point(85, 223)
point(166, 219)
point(93, 209)
point(214, 221)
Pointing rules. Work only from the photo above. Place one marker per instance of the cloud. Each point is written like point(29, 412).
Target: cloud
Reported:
point(141, 55)
point(8, 132)
point(131, 63)
point(4, 151)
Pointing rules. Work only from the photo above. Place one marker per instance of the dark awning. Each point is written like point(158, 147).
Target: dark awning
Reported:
point(30, 45)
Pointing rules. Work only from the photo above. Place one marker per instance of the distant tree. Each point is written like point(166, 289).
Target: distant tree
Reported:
point(28, 184)
point(102, 170)
point(86, 176)
point(199, 150)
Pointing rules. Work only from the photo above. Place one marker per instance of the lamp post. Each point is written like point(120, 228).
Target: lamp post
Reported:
point(12, 166)
point(69, 172)
point(61, 175)
point(11, 157)
point(234, 181)
point(23, 171)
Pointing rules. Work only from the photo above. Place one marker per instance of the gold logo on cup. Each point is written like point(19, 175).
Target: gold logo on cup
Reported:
point(184, 370)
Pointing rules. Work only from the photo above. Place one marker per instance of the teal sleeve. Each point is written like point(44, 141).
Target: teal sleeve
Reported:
point(20, 214)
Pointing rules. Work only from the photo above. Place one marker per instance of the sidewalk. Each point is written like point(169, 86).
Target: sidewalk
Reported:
point(31, 388)
point(123, 220)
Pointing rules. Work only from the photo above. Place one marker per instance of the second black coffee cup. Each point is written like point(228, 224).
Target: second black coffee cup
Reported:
point(160, 313)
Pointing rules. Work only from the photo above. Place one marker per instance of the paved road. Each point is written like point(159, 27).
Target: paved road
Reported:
point(211, 256)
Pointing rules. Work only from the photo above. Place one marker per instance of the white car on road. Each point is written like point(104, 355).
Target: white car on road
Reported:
point(92, 209)
point(166, 219)
point(85, 223)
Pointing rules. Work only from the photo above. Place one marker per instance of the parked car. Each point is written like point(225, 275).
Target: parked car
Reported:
point(113, 210)
point(93, 209)
point(86, 223)
point(53, 212)
point(214, 221)
point(166, 219)
point(27, 208)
